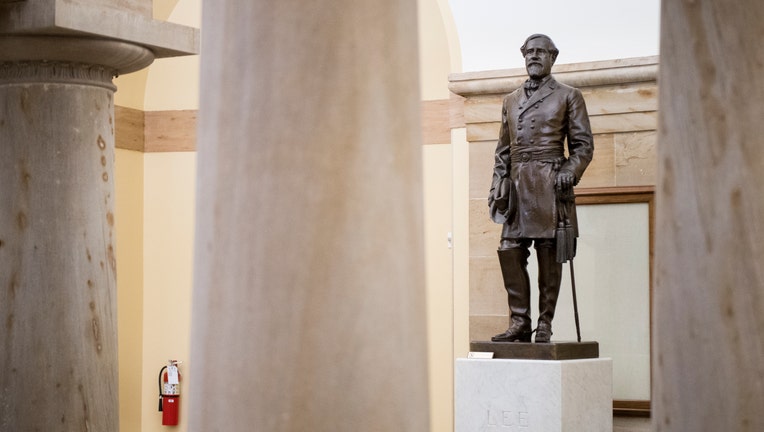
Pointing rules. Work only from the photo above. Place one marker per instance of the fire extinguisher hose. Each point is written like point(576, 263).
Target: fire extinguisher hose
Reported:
point(160, 387)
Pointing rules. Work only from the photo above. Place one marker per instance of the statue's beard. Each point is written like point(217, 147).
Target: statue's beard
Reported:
point(536, 71)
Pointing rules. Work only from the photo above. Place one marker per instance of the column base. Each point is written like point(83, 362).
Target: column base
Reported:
point(534, 395)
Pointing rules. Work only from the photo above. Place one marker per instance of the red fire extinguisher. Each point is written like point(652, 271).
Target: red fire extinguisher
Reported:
point(169, 393)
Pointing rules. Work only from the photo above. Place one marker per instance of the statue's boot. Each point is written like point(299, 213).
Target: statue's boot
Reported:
point(550, 276)
point(514, 270)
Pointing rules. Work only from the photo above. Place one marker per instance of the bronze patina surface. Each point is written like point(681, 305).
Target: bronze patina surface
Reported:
point(538, 351)
point(532, 188)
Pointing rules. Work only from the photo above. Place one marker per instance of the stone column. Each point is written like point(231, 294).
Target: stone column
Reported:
point(58, 340)
point(309, 289)
point(57, 257)
point(708, 328)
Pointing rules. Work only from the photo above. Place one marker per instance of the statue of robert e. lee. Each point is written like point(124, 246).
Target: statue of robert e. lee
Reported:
point(532, 188)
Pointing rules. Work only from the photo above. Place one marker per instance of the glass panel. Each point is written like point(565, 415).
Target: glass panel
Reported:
point(613, 290)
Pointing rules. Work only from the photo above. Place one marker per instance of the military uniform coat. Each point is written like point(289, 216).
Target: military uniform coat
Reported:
point(531, 151)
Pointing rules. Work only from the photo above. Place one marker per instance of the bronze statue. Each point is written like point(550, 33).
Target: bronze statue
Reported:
point(532, 188)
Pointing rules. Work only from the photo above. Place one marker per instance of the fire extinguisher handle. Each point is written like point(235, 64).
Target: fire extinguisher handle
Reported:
point(160, 387)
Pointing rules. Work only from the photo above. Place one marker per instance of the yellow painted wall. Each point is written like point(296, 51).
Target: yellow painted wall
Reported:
point(461, 230)
point(128, 183)
point(438, 260)
point(173, 83)
point(434, 56)
point(155, 216)
point(170, 179)
point(155, 236)
point(131, 89)
point(437, 58)
point(169, 187)
point(163, 9)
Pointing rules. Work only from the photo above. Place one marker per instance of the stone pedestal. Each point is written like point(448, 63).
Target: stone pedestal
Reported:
point(534, 395)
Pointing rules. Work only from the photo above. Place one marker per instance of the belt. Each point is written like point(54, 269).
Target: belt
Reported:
point(539, 155)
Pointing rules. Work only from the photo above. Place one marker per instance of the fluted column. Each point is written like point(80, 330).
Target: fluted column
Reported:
point(58, 340)
point(708, 307)
point(309, 289)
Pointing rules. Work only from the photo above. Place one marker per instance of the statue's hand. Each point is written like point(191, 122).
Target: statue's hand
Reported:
point(565, 180)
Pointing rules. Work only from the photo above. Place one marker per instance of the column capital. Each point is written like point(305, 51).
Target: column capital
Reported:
point(90, 26)
point(68, 59)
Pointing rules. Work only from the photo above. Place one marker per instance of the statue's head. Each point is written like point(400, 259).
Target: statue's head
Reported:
point(540, 53)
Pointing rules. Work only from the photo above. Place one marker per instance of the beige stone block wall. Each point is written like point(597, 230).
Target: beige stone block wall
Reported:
point(635, 161)
point(481, 167)
point(601, 171)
